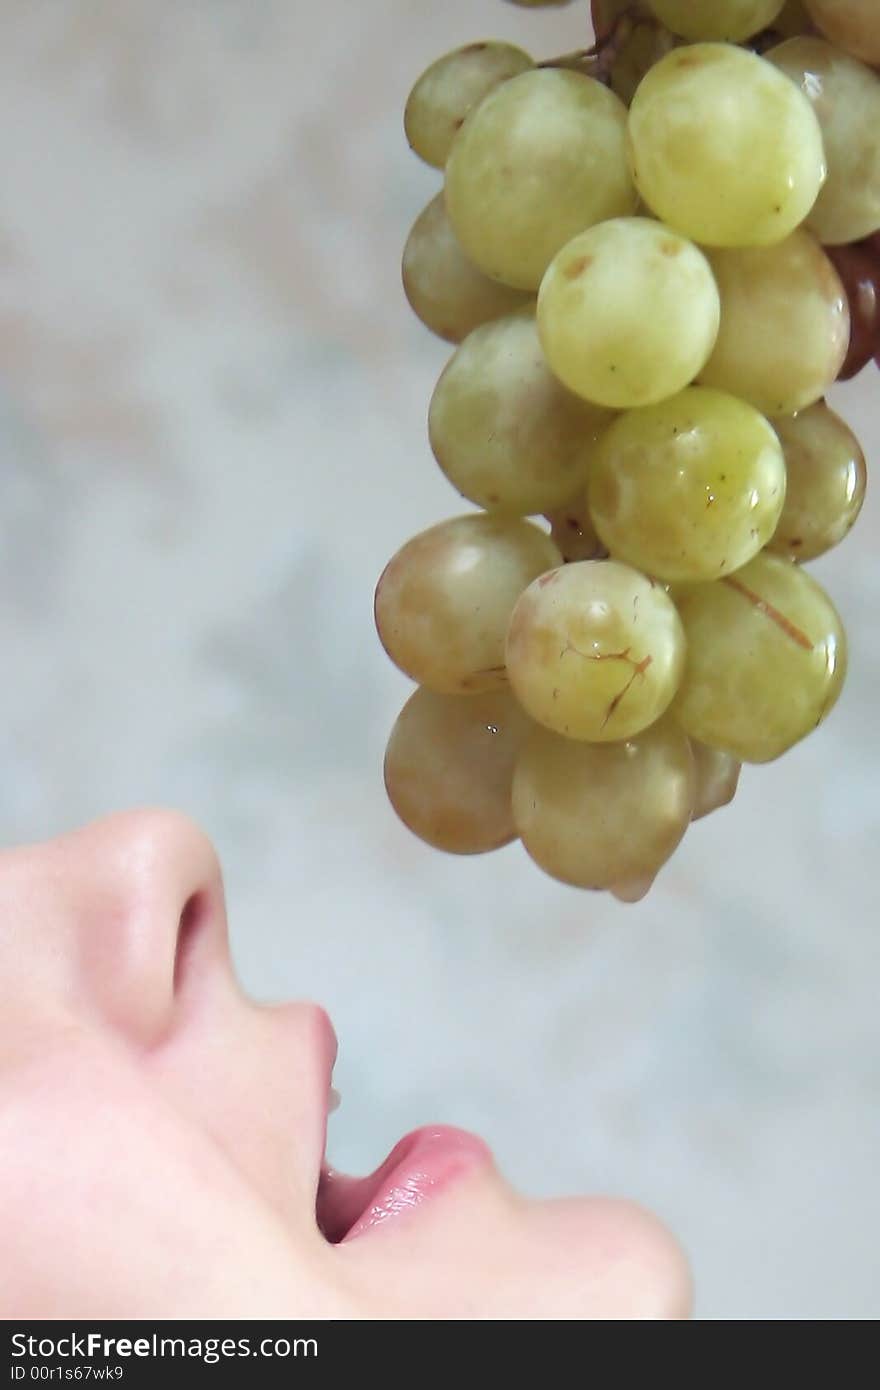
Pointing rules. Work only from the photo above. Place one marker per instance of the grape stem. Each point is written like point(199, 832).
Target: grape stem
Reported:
point(598, 61)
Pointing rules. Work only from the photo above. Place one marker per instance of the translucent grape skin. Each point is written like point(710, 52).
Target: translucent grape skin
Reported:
point(851, 24)
point(444, 600)
point(700, 152)
point(595, 651)
point(633, 890)
point(729, 21)
point(845, 95)
point(690, 489)
point(446, 91)
point(540, 159)
point(449, 768)
point(628, 313)
point(859, 269)
point(445, 291)
point(505, 431)
point(826, 483)
point(785, 324)
point(717, 778)
point(766, 659)
point(603, 815)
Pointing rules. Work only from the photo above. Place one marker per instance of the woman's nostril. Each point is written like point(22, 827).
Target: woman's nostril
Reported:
point(192, 919)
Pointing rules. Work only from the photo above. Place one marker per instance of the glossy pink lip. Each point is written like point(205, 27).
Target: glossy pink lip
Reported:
point(419, 1169)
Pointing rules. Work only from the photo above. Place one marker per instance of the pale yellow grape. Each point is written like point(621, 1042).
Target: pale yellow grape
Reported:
point(602, 815)
point(853, 25)
point(826, 483)
point(628, 313)
point(766, 659)
point(504, 430)
point(595, 650)
point(717, 777)
point(444, 94)
point(689, 489)
point(845, 95)
point(572, 530)
point(541, 158)
point(538, 4)
point(449, 768)
point(445, 290)
point(730, 20)
point(784, 324)
point(444, 601)
point(724, 147)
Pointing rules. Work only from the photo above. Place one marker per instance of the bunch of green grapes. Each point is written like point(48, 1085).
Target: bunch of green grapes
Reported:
point(653, 259)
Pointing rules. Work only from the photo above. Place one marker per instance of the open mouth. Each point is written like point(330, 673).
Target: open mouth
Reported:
point(417, 1171)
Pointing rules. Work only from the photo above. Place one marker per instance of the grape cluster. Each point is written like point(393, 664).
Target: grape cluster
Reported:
point(654, 258)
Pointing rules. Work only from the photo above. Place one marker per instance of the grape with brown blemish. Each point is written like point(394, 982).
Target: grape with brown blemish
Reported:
point(766, 659)
point(595, 650)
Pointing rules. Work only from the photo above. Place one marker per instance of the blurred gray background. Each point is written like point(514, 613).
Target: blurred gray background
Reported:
point(212, 437)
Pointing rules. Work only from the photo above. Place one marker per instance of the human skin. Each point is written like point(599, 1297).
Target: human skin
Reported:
point(162, 1136)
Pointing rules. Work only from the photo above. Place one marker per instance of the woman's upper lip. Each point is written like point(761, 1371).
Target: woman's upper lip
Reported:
point(322, 1048)
point(418, 1169)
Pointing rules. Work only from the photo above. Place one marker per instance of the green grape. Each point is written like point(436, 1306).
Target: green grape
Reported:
point(785, 324)
point(603, 815)
point(449, 768)
point(541, 158)
point(595, 651)
point(728, 20)
point(689, 489)
point(717, 776)
point(444, 94)
point(766, 659)
point(853, 25)
point(628, 313)
point(724, 147)
point(573, 532)
point(505, 432)
point(444, 601)
point(845, 96)
point(826, 483)
point(447, 292)
point(538, 4)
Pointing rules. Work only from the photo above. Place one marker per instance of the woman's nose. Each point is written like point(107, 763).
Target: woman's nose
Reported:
point(134, 908)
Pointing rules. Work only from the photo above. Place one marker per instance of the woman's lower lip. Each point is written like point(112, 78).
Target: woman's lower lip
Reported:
point(418, 1170)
